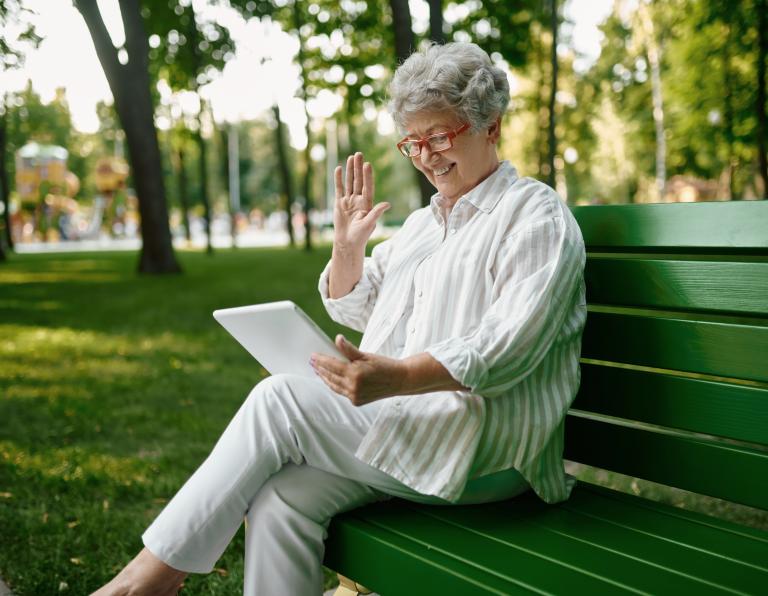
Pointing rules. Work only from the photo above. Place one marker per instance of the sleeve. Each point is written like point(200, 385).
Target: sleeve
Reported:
point(538, 270)
point(354, 309)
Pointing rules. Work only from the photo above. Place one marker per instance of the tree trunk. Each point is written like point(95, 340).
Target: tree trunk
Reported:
point(436, 21)
point(307, 186)
point(552, 144)
point(181, 172)
point(5, 189)
point(538, 109)
point(404, 45)
point(761, 6)
point(230, 151)
point(130, 86)
point(654, 59)
point(285, 172)
point(401, 23)
point(203, 172)
point(728, 117)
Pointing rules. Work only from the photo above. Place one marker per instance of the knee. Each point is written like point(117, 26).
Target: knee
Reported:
point(284, 392)
point(267, 390)
point(276, 385)
point(282, 498)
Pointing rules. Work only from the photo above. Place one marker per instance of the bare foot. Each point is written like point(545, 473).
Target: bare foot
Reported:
point(146, 575)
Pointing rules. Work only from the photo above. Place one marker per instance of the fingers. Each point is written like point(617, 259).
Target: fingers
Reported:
point(358, 182)
point(333, 373)
point(328, 363)
point(368, 189)
point(339, 183)
point(334, 381)
point(350, 174)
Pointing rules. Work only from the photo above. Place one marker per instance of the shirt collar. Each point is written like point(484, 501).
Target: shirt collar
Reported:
point(486, 195)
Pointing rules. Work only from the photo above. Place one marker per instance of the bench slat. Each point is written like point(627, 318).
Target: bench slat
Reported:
point(734, 473)
point(658, 552)
point(713, 286)
point(745, 546)
point(599, 540)
point(734, 411)
point(532, 532)
point(394, 554)
point(734, 225)
point(720, 349)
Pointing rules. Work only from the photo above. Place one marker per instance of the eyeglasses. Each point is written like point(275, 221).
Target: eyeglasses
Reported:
point(441, 141)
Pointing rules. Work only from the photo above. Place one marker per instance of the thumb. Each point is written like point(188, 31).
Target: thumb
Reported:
point(347, 348)
point(374, 214)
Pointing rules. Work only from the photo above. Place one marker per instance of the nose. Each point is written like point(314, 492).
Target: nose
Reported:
point(426, 153)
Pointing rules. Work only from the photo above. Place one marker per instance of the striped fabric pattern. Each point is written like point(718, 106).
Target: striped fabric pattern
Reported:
point(495, 292)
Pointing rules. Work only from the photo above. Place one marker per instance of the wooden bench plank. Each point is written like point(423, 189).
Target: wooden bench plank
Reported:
point(738, 544)
point(390, 541)
point(655, 562)
point(612, 540)
point(733, 287)
point(599, 547)
point(383, 561)
point(742, 474)
point(720, 349)
point(734, 411)
point(736, 225)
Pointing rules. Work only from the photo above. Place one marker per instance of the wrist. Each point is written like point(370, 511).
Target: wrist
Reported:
point(344, 248)
point(421, 373)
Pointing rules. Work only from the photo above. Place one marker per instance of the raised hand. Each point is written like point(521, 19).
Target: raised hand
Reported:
point(354, 216)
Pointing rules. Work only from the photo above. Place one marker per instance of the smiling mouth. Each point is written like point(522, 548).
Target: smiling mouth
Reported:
point(443, 171)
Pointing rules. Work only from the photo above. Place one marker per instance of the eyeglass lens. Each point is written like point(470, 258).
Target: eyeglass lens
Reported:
point(436, 143)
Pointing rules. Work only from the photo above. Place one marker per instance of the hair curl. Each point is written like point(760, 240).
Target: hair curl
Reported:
point(458, 77)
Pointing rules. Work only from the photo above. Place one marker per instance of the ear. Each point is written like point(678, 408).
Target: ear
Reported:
point(494, 131)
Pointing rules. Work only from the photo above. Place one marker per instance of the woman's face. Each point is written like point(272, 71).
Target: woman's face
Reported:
point(457, 170)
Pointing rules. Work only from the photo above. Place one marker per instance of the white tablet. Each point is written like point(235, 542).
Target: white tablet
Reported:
point(279, 335)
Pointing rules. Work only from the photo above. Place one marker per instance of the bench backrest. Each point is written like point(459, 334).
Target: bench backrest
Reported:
point(675, 353)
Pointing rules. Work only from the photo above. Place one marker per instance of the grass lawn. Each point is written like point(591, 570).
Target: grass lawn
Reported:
point(113, 388)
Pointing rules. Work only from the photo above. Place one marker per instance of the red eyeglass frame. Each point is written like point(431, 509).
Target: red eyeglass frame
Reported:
point(451, 134)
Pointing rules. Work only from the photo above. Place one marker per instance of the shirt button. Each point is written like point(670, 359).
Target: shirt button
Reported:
point(453, 231)
point(413, 330)
point(420, 294)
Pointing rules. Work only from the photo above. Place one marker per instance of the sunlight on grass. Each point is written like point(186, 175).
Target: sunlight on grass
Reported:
point(58, 354)
point(77, 464)
point(41, 305)
point(52, 276)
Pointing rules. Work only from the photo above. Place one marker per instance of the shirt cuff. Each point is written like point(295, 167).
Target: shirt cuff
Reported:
point(350, 304)
point(462, 361)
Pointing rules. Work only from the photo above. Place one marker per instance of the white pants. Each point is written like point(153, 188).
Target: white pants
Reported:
point(285, 462)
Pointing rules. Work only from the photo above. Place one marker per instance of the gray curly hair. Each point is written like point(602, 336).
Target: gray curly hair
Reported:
point(459, 77)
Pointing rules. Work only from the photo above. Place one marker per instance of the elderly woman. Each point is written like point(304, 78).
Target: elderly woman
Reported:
point(472, 316)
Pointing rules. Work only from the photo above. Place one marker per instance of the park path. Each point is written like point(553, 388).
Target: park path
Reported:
point(4, 590)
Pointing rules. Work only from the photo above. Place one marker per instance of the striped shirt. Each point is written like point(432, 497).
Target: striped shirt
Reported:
point(495, 292)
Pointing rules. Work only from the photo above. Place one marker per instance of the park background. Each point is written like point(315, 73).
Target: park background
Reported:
point(177, 130)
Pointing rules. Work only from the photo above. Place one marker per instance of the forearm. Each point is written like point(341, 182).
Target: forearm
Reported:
point(346, 269)
point(424, 374)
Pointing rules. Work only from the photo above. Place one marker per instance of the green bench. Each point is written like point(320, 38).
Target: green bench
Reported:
point(674, 390)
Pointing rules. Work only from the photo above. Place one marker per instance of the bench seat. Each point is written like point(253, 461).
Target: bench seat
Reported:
point(599, 542)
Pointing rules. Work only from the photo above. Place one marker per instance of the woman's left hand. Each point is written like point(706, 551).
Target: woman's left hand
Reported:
point(365, 378)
